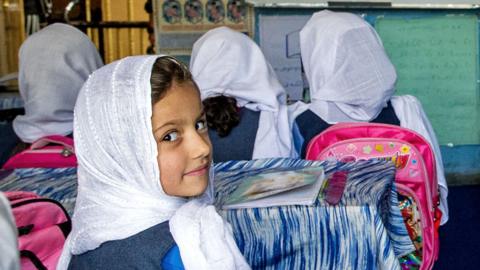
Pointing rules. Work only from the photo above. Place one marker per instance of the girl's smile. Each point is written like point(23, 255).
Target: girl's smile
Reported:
point(198, 171)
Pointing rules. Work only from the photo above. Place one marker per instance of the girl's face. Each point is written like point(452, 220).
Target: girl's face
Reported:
point(184, 148)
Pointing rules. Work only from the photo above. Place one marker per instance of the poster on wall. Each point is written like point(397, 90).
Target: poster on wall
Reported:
point(179, 23)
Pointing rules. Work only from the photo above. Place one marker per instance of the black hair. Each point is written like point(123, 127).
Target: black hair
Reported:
point(165, 71)
point(222, 114)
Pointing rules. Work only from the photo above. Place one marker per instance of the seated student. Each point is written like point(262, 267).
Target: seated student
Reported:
point(244, 101)
point(53, 65)
point(351, 79)
point(144, 167)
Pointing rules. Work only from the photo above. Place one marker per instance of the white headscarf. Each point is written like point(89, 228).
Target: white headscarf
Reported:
point(351, 77)
point(227, 62)
point(54, 64)
point(119, 189)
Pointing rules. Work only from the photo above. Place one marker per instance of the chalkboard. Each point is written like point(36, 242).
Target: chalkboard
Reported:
point(437, 61)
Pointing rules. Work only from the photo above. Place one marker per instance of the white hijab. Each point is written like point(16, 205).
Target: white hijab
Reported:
point(351, 77)
point(227, 62)
point(119, 190)
point(54, 64)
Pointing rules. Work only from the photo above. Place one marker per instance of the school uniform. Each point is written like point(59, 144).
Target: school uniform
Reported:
point(8, 142)
point(351, 79)
point(240, 142)
point(144, 250)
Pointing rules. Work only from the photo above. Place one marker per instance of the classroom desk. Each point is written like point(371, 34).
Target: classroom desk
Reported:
point(364, 231)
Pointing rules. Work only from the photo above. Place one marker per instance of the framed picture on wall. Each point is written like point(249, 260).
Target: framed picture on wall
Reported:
point(179, 23)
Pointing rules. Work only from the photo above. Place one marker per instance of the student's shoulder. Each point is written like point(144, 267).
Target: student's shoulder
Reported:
point(144, 250)
point(406, 100)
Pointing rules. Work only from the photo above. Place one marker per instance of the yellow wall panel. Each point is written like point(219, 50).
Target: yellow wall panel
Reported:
point(13, 34)
point(120, 43)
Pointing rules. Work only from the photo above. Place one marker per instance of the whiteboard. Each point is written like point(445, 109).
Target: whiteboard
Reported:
point(453, 4)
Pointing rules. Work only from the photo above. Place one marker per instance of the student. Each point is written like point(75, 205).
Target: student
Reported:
point(53, 65)
point(239, 86)
point(351, 79)
point(144, 170)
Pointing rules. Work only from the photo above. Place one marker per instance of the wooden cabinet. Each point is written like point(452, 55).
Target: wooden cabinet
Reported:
point(12, 34)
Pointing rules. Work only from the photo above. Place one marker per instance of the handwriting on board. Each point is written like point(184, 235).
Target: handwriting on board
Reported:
point(437, 61)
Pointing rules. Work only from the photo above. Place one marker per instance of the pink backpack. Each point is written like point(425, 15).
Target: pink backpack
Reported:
point(43, 225)
point(52, 151)
point(415, 177)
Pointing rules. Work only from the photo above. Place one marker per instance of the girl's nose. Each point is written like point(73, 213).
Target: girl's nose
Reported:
point(200, 146)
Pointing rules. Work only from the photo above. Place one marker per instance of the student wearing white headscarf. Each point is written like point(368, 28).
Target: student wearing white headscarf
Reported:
point(227, 65)
point(351, 79)
point(143, 150)
point(53, 65)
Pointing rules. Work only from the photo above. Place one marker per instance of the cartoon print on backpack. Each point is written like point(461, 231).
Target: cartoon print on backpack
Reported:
point(349, 153)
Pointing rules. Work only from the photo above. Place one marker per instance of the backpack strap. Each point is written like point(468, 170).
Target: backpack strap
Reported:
point(54, 139)
point(387, 116)
point(33, 258)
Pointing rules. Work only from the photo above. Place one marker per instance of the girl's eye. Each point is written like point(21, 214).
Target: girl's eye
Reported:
point(171, 137)
point(200, 125)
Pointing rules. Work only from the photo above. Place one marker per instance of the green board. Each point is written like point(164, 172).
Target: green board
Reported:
point(436, 61)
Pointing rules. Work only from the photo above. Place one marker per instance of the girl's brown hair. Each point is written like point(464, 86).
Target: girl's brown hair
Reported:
point(165, 71)
point(221, 111)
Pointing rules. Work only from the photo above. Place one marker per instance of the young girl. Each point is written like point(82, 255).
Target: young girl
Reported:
point(351, 79)
point(231, 71)
point(143, 150)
